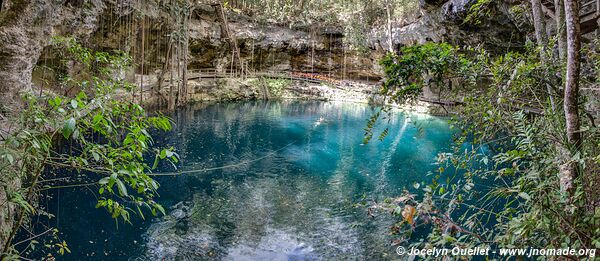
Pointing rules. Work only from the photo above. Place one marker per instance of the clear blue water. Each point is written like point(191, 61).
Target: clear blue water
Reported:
point(296, 195)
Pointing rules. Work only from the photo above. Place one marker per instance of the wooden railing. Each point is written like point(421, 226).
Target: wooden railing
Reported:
point(291, 75)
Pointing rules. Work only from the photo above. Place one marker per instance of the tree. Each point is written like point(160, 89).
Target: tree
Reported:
point(571, 95)
point(542, 39)
point(539, 23)
point(523, 141)
point(560, 29)
point(388, 12)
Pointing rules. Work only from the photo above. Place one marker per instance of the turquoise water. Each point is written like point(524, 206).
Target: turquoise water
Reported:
point(289, 184)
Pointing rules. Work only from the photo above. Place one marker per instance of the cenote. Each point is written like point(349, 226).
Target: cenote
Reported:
point(264, 181)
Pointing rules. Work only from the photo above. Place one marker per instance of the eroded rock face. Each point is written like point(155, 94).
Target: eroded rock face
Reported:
point(25, 28)
point(274, 47)
point(431, 4)
point(444, 21)
point(456, 10)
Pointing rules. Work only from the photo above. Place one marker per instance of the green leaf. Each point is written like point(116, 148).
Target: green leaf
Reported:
point(449, 239)
point(68, 128)
point(140, 212)
point(10, 158)
point(155, 165)
point(160, 208)
point(524, 195)
point(76, 134)
point(74, 104)
point(97, 118)
point(112, 179)
point(55, 102)
point(96, 156)
point(104, 181)
point(121, 187)
point(81, 95)
point(154, 184)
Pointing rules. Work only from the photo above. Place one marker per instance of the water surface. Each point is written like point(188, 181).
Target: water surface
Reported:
point(288, 183)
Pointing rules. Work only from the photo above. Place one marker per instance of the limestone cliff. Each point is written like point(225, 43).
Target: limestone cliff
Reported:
point(25, 29)
point(145, 28)
point(444, 21)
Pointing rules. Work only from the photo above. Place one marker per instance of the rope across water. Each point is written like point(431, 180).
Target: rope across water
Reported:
point(177, 173)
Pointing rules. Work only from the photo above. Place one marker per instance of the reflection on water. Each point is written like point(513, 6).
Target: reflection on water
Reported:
point(299, 201)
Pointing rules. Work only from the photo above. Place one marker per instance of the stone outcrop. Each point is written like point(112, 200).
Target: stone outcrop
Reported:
point(444, 21)
point(25, 29)
point(275, 47)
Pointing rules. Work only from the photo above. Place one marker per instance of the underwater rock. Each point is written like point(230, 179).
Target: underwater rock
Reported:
point(180, 211)
point(167, 240)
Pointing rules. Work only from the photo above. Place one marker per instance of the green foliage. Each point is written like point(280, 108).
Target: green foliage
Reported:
point(501, 184)
point(406, 73)
point(276, 86)
point(417, 66)
point(110, 137)
point(478, 11)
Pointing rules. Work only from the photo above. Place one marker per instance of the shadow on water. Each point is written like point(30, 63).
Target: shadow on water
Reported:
point(296, 197)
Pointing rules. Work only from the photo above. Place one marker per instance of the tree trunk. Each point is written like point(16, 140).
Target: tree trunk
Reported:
point(161, 76)
point(573, 71)
point(143, 29)
point(172, 82)
point(561, 31)
point(389, 26)
point(539, 23)
point(184, 86)
point(572, 86)
point(225, 32)
point(179, 50)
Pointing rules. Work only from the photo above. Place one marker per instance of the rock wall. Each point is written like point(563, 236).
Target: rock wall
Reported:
point(25, 29)
point(275, 47)
point(444, 21)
